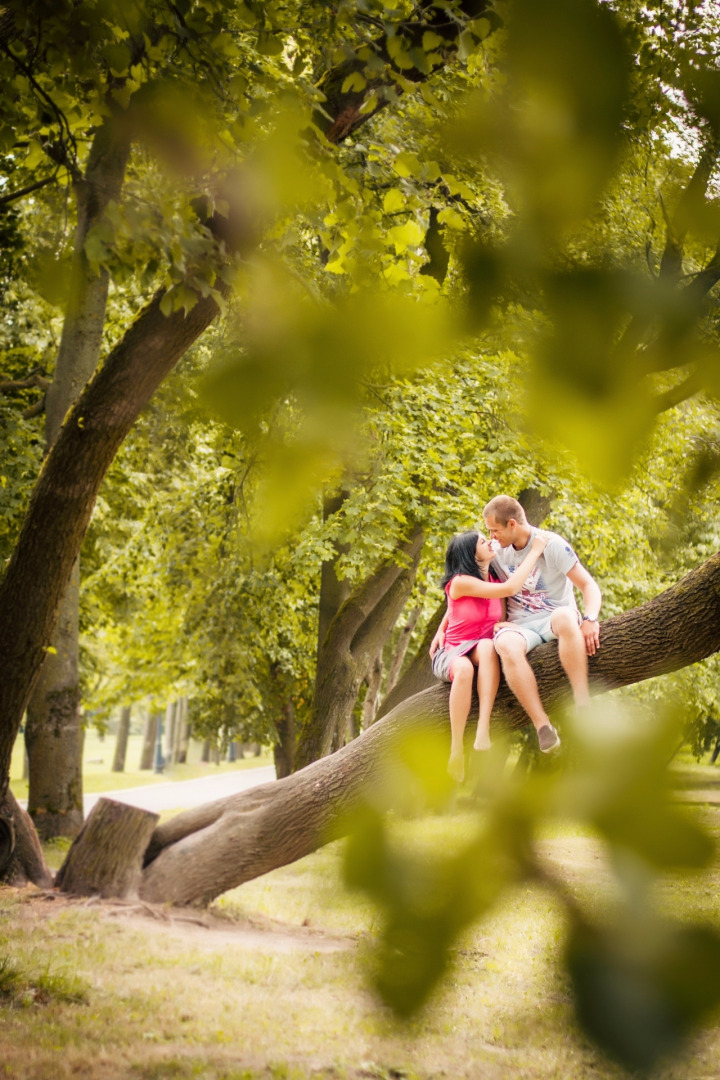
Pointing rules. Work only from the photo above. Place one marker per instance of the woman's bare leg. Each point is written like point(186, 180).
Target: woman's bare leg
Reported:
point(460, 700)
point(488, 680)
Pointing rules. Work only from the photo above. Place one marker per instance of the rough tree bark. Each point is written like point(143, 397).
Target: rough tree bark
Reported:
point(61, 504)
point(361, 625)
point(283, 716)
point(121, 742)
point(53, 727)
point(333, 591)
point(149, 738)
point(107, 854)
point(197, 855)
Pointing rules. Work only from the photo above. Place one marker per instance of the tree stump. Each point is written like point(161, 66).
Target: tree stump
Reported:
point(106, 856)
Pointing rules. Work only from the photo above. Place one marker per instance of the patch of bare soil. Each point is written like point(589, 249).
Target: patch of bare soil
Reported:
point(198, 929)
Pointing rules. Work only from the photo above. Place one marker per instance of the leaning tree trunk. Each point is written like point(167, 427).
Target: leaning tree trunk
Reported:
point(53, 731)
point(200, 854)
point(357, 632)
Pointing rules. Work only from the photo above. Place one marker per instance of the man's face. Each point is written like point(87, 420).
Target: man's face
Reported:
point(504, 534)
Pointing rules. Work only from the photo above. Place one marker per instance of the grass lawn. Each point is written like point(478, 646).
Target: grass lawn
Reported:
point(270, 983)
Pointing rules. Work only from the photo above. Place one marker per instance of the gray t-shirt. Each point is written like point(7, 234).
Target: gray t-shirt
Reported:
point(547, 586)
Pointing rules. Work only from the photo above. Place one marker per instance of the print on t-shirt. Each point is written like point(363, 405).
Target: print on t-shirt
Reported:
point(547, 586)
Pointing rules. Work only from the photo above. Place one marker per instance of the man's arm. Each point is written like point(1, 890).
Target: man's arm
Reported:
point(592, 599)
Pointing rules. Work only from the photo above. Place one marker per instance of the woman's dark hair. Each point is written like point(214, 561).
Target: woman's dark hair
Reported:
point(460, 556)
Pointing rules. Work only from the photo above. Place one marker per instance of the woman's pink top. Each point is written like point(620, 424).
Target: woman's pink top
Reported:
point(471, 618)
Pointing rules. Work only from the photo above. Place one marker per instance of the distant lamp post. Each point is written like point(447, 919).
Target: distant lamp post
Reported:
point(159, 763)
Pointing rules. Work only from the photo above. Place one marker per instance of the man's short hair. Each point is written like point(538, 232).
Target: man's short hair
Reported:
point(502, 508)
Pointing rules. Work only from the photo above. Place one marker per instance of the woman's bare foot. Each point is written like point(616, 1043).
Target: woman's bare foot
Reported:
point(456, 767)
point(482, 739)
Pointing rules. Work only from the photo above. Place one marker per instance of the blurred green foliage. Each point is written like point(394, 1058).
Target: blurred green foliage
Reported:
point(642, 982)
point(503, 278)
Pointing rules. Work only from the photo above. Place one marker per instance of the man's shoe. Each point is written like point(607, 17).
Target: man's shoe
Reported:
point(548, 739)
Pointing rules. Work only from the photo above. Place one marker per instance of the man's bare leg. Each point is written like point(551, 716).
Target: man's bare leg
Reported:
point(510, 647)
point(572, 652)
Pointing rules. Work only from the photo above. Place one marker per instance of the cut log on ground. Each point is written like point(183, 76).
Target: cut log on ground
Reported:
point(107, 854)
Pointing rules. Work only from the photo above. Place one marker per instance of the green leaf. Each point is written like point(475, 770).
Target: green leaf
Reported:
point(355, 82)
point(394, 200)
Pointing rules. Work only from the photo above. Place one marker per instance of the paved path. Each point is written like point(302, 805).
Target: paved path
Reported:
point(186, 793)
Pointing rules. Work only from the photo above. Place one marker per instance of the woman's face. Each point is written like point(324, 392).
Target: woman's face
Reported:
point(483, 550)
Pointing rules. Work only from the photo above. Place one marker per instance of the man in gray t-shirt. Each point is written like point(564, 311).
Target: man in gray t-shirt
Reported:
point(544, 610)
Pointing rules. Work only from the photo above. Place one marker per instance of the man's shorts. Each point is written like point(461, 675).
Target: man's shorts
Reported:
point(443, 659)
point(535, 631)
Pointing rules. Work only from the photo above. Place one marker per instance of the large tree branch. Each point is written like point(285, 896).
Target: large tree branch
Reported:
point(677, 227)
point(688, 206)
point(359, 607)
point(64, 497)
point(200, 854)
point(352, 642)
point(13, 196)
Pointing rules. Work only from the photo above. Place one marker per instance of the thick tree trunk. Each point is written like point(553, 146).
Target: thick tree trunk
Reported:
point(121, 742)
point(356, 634)
point(23, 857)
point(106, 856)
point(182, 732)
point(63, 499)
point(199, 854)
point(149, 738)
point(284, 719)
point(372, 696)
point(170, 719)
point(54, 735)
point(333, 591)
point(53, 731)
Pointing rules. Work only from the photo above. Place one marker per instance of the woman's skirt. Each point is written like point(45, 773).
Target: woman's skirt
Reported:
point(444, 659)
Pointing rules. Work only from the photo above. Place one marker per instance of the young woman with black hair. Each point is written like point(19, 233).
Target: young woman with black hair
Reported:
point(464, 642)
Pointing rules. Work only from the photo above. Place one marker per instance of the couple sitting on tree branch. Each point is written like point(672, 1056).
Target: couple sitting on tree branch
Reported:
point(533, 573)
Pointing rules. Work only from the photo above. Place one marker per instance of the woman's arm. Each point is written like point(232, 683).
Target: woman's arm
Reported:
point(439, 640)
point(464, 585)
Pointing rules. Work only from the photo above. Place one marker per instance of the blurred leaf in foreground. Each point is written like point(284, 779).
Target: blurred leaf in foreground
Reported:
point(640, 995)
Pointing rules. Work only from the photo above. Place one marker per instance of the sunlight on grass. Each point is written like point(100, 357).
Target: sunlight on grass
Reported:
point(277, 988)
